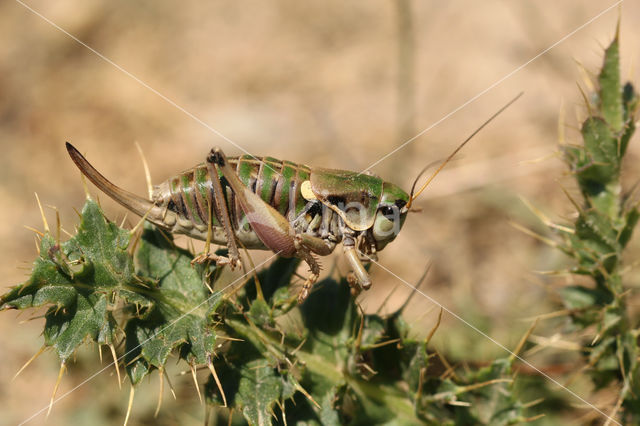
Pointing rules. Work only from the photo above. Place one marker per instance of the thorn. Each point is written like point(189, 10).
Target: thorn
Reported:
point(435, 327)
point(195, 381)
point(579, 118)
point(305, 393)
point(459, 403)
point(381, 344)
point(34, 230)
point(386, 299)
point(137, 357)
point(155, 415)
point(124, 219)
point(232, 339)
point(254, 271)
point(532, 403)
point(421, 376)
point(57, 222)
point(284, 416)
point(230, 417)
point(542, 159)
point(586, 100)
point(206, 283)
point(575, 204)
point(140, 223)
point(558, 273)
point(529, 232)
point(415, 289)
point(297, 348)
point(115, 363)
point(360, 329)
point(126, 419)
point(533, 418)
point(36, 355)
point(616, 408)
point(586, 76)
point(147, 175)
point(215, 377)
point(229, 293)
point(133, 242)
point(450, 371)
point(549, 315)
point(44, 219)
point(554, 342)
point(85, 186)
point(100, 353)
point(544, 219)
point(37, 241)
point(68, 234)
point(55, 389)
point(523, 340)
point(170, 385)
point(474, 386)
point(35, 317)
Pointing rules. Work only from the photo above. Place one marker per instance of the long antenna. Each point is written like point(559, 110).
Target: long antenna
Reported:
point(444, 163)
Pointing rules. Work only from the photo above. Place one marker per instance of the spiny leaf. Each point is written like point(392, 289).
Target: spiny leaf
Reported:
point(602, 230)
point(361, 370)
point(79, 278)
point(259, 388)
point(630, 221)
point(181, 317)
point(331, 319)
point(630, 103)
point(252, 383)
point(610, 88)
point(602, 153)
point(580, 297)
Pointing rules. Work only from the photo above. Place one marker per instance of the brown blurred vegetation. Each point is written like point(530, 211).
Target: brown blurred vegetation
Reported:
point(324, 83)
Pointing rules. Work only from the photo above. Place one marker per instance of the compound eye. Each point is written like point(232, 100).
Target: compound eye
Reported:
point(400, 203)
point(387, 211)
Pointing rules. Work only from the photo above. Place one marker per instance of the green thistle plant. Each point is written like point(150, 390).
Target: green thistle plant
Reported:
point(335, 365)
point(606, 218)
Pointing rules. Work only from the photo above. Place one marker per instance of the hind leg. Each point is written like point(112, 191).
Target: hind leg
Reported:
point(217, 204)
point(273, 229)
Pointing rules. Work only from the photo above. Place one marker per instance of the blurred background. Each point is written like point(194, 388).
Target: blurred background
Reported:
point(325, 83)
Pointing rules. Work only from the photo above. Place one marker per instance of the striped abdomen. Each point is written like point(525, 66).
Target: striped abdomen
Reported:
point(190, 193)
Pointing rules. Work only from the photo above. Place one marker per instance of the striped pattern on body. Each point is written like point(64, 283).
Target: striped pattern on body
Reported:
point(276, 182)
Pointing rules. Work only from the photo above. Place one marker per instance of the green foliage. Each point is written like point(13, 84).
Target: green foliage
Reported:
point(79, 280)
point(606, 219)
point(179, 313)
point(324, 362)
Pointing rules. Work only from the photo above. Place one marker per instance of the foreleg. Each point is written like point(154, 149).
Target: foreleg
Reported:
point(360, 276)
